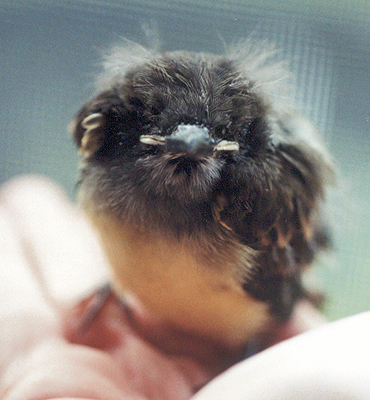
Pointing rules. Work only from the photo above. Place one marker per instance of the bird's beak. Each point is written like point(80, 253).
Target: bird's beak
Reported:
point(191, 140)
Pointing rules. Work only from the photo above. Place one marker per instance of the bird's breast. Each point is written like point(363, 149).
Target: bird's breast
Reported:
point(176, 283)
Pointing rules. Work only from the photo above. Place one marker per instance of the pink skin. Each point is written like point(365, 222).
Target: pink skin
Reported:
point(50, 260)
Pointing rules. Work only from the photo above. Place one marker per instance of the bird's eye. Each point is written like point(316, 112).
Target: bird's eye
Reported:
point(158, 106)
point(220, 132)
point(136, 102)
point(252, 126)
point(254, 134)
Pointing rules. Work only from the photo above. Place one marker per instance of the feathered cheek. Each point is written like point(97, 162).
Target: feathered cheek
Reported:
point(179, 177)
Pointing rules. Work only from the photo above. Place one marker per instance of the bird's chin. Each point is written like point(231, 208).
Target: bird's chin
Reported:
point(179, 178)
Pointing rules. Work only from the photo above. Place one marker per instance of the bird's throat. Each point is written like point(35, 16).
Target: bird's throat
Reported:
point(177, 285)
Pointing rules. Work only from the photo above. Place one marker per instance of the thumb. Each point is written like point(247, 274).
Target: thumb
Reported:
point(61, 248)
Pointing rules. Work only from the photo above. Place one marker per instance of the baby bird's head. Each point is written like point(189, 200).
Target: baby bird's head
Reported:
point(175, 130)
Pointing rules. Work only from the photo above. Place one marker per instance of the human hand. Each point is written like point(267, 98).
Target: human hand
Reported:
point(50, 259)
point(331, 362)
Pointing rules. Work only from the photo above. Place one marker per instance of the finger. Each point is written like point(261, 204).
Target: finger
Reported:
point(58, 242)
point(25, 317)
point(330, 362)
point(122, 330)
point(56, 369)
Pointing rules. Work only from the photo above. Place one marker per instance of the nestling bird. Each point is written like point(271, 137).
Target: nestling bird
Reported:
point(206, 192)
